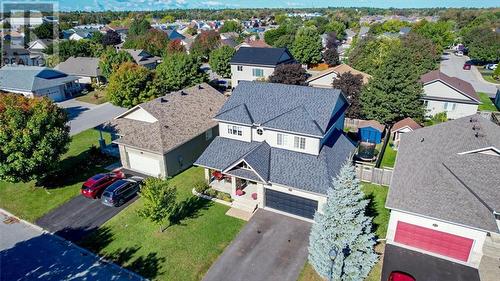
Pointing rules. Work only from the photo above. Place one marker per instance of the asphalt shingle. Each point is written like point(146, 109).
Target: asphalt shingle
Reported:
point(262, 56)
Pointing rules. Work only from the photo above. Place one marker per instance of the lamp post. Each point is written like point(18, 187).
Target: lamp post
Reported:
point(333, 255)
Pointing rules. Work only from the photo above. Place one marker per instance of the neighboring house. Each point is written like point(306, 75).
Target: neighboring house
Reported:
point(250, 64)
point(39, 45)
point(79, 34)
point(172, 34)
point(17, 55)
point(17, 22)
point(445, 203)
point(349, 35)
point(278, 147)
point(452, 95)
point(14, 38)
point(86, 68)
point(164, 136)
point(228, 35)
point(324, 39)
point(363, 31)
point(230, 42)
point(143, 58)
point(121, 30)
point(35, 81)
point(253, 44)
point(325, 78)
point(402, 127)
point(370, 131)
point(404, 31)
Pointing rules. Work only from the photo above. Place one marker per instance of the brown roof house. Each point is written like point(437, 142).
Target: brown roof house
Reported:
point(402, 127)
point(325, 78)
point(164, 136)
point(452, 95)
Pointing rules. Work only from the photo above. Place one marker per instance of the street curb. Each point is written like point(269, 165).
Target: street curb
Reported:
point(100, 259)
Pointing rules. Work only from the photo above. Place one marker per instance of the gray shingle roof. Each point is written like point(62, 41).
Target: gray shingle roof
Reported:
point(294, 169)
point(32, 78)
point(142, 57)
point(181, 116)
point(430, 174)
point(273, 105)
point(261, 56)
point(80, 66)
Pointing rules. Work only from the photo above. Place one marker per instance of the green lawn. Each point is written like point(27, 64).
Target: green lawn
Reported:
point(389, 157)
point(94, 97)
point(487, 75)
point(486, 103)
point(377, 195)
point(30, 202)
point(183, 251)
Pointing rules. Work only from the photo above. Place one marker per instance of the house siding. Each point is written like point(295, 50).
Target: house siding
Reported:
point(125, 150)
point(247, 73)
point(189, 152)
point(324, 82)
point(461, 109)
point(476, 235)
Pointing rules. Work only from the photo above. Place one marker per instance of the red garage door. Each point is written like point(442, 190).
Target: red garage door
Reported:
point(434, 241)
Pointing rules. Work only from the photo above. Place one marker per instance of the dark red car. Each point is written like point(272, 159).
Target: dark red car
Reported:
point(467, 66)
point(94, 187)
point(400, 276)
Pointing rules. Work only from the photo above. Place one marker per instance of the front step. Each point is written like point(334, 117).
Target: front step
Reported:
point(247, 206)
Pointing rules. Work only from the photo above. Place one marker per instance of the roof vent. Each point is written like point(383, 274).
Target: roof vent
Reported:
point(166, 126)
point(422, 140)
point(479, 135)
point(473, 119)
point(162, 100)
point(183, 93)
point(476, 127)
point(200, 87)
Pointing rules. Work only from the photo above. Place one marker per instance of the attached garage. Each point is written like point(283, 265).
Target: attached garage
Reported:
point(289, 203)
point(144, 163)
point(442, 243)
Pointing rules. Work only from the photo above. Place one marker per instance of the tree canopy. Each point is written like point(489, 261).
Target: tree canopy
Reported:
point(307, 46)
point(351, 85)
point(219, 60)
point(177, 71)
point(370, 54)
point(231, 26)
point(440, 33)
point(292, 74)
point(153, 41)
point(111, 38)
point(33, 136)
point(483, 44)
point(205, 42)
point(138, 26)
point(331, 57)
point(110, 60)
point(130, 85)
point(394, 92)
point(159, 201)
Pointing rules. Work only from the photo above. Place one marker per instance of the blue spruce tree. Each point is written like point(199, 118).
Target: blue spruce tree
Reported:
point(344, 227)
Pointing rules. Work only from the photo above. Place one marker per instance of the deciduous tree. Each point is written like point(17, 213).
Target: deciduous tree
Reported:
point(307, 46)
point(33, 136)
point(178, 71)
point(159, 201)
point(342, 225)
point(292, 74)
point(110, 60)
point(351, 85)
point(231, 26)
point(219, 60)
point(204, 43)
point(130, 85)
point(111, 38)
point(331, 57)
point(139, 26)
point(175, 46)
point(483, 44)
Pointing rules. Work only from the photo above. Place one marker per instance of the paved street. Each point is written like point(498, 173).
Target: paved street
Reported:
point(452, 65)
point(27, 253)
point(78, 217)
point(270, 247)
point(84, 115)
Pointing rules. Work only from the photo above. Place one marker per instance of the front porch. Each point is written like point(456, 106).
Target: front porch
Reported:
point(245, 193)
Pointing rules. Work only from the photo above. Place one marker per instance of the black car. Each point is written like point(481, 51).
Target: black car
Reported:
point(120, 191)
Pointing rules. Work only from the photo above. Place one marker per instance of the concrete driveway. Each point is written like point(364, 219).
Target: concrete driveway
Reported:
point(270, 247)
point(83, 116)
point(452, 65)
point(78, 217)
point(28, 253)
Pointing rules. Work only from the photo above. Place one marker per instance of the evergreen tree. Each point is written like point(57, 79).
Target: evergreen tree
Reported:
point(344, 226)
point(395, 91)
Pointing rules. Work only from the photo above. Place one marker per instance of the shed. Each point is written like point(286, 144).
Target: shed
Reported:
point(370, 131)
point(403, 126)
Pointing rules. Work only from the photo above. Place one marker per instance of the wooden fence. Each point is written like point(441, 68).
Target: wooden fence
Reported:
point(352, 124)
point(368, 173)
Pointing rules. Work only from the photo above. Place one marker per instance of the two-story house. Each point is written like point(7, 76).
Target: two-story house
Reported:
point(278, 147)
point(452, 95)
point(444, 199)
point(257, 63)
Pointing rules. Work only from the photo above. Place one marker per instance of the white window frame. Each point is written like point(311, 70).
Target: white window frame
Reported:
point(235, 130)
point(281, 139)
point(239, 67)
point(254, 72)
point(299, 143)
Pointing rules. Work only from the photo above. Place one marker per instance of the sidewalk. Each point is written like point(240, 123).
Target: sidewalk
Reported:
point(27, 253)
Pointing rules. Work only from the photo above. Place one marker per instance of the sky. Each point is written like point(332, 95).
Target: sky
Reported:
point(114, 5)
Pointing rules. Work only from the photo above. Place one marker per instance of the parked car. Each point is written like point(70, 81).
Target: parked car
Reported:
point(467, 66)
point(400, 276)
point(491, 66)
point(459, 53)
point(120, 192)
point(93, 187)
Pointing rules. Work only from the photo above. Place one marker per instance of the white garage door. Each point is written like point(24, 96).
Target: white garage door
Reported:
point(56, 96)
point(144, 163)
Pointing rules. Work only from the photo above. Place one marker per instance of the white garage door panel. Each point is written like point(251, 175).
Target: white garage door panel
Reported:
point(143, 163)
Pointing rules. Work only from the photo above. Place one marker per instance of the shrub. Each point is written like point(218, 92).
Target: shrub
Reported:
point(201, 187)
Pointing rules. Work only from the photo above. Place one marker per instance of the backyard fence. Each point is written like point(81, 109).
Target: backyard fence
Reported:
point(369, 173)
point(352, 124)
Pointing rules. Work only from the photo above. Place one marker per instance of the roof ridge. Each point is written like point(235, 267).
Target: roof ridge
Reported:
point(293, 109)
point(242, 158)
